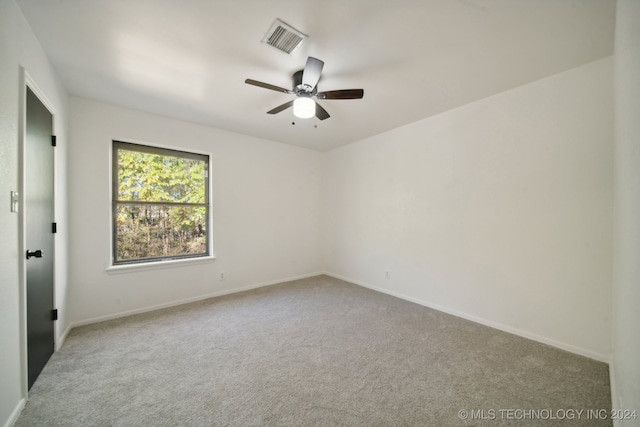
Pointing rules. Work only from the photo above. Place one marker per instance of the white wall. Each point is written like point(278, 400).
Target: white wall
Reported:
point(266, 205)
point(19, 47)
point(499, 211)
point(626, 356)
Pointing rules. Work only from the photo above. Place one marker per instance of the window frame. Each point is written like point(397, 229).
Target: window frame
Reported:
point(164, 261)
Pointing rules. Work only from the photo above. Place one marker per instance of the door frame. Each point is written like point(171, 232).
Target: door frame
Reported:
point(27, 81)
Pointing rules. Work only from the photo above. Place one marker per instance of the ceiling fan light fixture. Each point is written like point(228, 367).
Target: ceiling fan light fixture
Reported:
point(305, 87)
point(304, 108)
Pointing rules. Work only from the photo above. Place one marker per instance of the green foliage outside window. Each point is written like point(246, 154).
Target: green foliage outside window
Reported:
point(160, 203)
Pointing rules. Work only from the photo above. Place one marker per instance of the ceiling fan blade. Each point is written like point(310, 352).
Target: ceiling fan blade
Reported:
point(341, 94)
point(267, 86)
point(312, 71)
point(321, 113)
point(281, 108)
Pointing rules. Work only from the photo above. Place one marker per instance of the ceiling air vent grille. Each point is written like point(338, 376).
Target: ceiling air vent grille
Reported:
point(283, 37)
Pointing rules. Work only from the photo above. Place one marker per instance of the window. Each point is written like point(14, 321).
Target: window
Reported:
point(160, 204)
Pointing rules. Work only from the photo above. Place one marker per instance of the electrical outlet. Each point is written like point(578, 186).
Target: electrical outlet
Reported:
point(387, 274)
point(221, 276)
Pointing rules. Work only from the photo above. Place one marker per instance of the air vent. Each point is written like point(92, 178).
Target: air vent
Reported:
point(283, 37)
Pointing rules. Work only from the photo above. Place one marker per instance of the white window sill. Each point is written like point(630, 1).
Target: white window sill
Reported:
point(155, 265)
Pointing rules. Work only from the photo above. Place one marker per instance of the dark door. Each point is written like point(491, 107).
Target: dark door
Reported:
point(38, 211)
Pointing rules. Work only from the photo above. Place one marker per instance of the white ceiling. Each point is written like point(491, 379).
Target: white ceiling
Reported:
point(188, 59)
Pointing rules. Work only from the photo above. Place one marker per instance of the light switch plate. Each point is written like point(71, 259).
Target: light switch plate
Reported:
point(15, 200)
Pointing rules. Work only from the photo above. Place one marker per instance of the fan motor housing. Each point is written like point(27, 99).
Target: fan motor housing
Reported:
point(301, 89)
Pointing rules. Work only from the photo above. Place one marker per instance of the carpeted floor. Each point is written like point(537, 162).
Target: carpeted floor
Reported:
point(317, 351)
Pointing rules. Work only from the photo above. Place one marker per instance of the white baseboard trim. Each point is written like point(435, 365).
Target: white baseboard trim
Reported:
point(616, 404)
point(525, 334)
point(16, 413)
point(186, 301)
point(63, 337)
point(558, 344)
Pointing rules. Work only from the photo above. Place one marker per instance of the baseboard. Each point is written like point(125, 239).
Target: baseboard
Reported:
point(62, 338)
point(16, 413)
point(558, 344)
point(616, 403)
point(186, 301)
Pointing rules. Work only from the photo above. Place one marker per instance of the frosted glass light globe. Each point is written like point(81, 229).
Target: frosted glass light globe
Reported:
point(304, 108)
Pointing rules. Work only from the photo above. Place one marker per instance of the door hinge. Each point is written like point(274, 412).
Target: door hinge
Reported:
point(53, 140)
point(54, 314)
point(54, 227)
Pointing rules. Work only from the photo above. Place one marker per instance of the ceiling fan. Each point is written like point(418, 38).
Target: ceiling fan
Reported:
point(305, 87)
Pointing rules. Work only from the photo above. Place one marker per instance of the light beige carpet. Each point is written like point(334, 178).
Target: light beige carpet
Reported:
point(317, 351)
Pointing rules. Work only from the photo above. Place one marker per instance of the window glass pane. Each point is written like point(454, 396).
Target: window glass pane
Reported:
point(151, 177)
point(151, 231)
